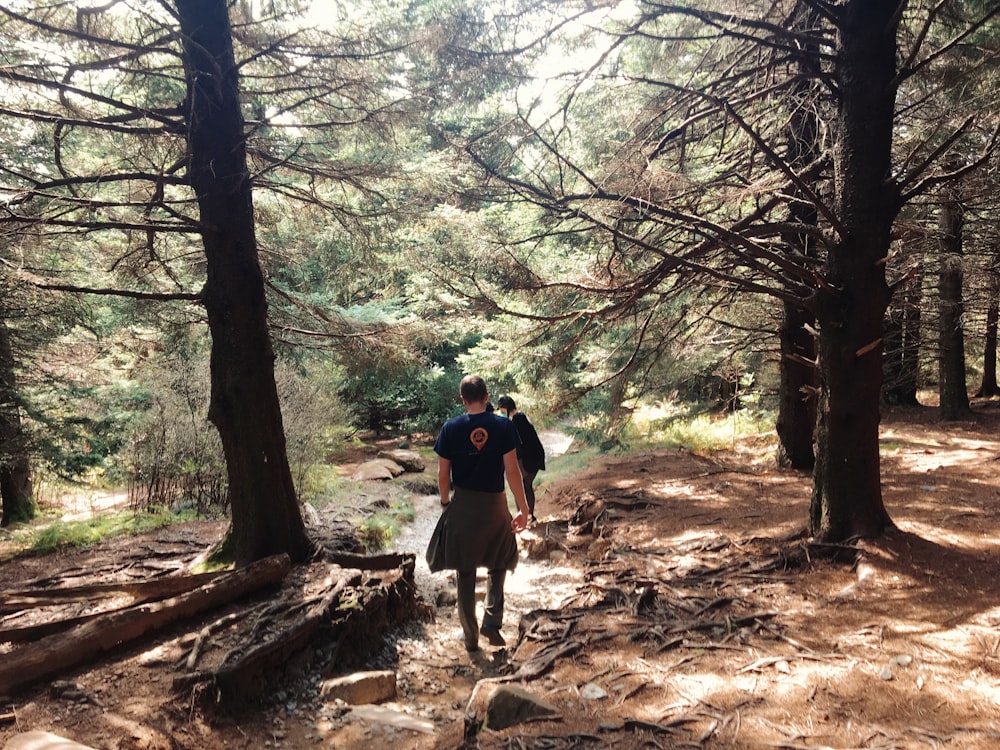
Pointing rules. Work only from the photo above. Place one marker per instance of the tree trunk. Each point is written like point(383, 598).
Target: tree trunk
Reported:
point(952, 389)
point(15, 466)
point(853, 295)
point(796, 424)
point(901, 356)
point(244, 403)
point(988, 387)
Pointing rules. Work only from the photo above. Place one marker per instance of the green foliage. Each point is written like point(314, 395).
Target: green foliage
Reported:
point(377, 530)
point(701, 432)
point(322, 484)
point(174, 456)
point(60, 535)
point(315, 419)
point(411, 391)
point(78, 431)
point(566, 465)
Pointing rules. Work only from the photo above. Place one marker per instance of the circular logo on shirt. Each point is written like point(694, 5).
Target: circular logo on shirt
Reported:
point(479, 437)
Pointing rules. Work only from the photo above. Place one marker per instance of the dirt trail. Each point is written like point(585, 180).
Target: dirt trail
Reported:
point(689, 608)
point(435, 674)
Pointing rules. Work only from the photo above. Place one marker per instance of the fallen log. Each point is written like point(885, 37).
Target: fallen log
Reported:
point(23, 633)
point(388, 561)
point(61, 651)
point(156, 588)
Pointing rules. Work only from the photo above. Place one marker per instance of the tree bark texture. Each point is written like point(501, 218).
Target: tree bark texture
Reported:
point(796, 423)
point(952, 388)
point(244, 403)
point(16, 488)
point(988, 387)
point(853, 296)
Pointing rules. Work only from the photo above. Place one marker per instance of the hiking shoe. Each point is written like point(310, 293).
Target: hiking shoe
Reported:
point(493, 636)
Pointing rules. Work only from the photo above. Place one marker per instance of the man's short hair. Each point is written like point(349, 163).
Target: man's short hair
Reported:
point(473, 389)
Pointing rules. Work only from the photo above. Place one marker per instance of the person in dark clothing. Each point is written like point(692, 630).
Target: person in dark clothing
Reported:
point(476, 530)
point(530, 451)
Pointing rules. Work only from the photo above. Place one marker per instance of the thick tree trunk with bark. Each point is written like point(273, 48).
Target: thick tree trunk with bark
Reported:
point(952, 388)
point(988, 387)
point(853, 296)
point(15, 466)
point(244, 402)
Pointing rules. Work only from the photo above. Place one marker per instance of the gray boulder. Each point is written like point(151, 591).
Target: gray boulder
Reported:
point(409, 460)
point(382, 469)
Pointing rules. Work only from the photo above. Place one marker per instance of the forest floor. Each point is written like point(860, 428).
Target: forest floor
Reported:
point(666, 599)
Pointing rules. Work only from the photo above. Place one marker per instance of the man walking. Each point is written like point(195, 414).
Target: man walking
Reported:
point(475, 451)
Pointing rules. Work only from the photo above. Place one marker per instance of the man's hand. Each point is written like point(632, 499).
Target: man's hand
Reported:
point(519, 523)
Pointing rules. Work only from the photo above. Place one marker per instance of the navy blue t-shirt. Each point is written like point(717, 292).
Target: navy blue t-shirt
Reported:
point(476, 444)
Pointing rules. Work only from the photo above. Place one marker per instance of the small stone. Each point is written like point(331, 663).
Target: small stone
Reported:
point(885, 674)
point(361, 687)
point(39, 740)
point(446, 598)
point(388, 721)
point(508, 705)
point(592, 692)
point(901, 660)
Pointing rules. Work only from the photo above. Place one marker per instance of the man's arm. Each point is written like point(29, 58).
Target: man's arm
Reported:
point(520, 521)
point(444, 480)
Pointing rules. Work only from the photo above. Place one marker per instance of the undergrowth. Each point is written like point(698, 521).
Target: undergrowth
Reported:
point(698, 431)
point(59, 535)
point(379, 529)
